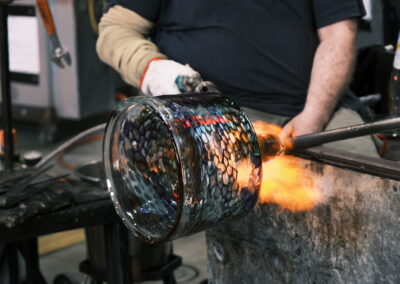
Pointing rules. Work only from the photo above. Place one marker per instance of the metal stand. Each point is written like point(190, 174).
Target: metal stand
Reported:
point(27, 248)
point(10, 249)
point(5, 86)
point(29, 251)
point(119, 267)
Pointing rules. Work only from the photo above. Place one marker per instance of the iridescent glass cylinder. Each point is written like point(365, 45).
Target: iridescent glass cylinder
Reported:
point(172, 164)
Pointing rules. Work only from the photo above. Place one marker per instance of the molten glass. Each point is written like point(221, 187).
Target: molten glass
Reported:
point(172, 164)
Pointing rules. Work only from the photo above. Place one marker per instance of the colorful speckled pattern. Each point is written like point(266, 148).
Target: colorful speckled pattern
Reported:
point(171, 164)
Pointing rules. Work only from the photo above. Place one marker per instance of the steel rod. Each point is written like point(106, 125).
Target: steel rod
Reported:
point(351, 161)
point(5, 88)
point(271, 146)
point(316, 139)
point(70, 142)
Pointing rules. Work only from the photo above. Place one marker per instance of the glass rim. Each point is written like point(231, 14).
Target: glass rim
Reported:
point(114, 195)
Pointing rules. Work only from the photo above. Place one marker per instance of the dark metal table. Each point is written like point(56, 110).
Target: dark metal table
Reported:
point(101, 212)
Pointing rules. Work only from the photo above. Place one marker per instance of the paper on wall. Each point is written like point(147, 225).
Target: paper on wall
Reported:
point(23, 36)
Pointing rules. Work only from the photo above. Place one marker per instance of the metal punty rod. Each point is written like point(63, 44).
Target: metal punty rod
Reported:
point(319, 138)
point(271, 146)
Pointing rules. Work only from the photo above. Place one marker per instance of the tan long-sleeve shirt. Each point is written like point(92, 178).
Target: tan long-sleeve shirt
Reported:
point(123, 43)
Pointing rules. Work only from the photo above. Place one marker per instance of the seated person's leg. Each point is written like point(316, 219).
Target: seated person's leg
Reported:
point(362, 145)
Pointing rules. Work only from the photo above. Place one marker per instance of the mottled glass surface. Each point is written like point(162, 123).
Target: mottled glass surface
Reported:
point(172, 164)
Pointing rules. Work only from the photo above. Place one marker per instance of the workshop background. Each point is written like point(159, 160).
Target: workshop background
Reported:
point(54, 99)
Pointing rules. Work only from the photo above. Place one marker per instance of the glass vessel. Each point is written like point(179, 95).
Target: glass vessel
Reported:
point(172, 164)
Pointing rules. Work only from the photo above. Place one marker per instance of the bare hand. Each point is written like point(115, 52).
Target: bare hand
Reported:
point(302, 124)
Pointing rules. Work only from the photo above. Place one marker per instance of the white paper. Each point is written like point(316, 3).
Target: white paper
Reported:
point(23, 36)
point(368, 9)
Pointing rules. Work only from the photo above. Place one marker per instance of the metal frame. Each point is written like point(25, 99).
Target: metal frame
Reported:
point(319, 138)
point(23, 238)
point(344, 159)
point(5, 86)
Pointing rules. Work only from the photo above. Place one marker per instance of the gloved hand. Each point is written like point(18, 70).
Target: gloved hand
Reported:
point(160, 77)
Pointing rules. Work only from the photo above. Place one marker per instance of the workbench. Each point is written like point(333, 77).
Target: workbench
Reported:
point(100, 212)
point(97, 211)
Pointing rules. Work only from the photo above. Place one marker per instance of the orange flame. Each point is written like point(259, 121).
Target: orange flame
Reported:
point(266, 130)
point(285, 181)
point(289, 185)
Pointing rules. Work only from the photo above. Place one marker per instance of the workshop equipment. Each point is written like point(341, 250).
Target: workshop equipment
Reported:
point(192, 85)
point(273, 145)
point(24, 187)
point(5, 87)
point(74, 94)
point(60, 55)
point(172, 162)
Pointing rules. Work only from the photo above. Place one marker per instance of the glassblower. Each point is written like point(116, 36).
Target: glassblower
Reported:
point(172, 162)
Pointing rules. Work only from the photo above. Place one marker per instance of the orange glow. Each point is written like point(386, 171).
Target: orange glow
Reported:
point(289, 185)
point(245, 169)
point(266, 130)
point(286, 181)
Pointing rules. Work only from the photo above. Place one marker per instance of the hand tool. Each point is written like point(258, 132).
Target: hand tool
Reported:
point(187, 84)
point(19, 191)
point(32, 189)
point(35, 184)
point(11, 177)
point(60, 54)
point(51, 179)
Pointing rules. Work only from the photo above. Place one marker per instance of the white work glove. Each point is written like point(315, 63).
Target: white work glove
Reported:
point(160, 77)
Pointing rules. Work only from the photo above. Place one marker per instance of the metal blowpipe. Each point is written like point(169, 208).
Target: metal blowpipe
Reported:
point(315, 139)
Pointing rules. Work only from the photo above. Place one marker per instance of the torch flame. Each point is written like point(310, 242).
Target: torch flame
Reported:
point(266, 130)
point(289, 185)
point(285, 181)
